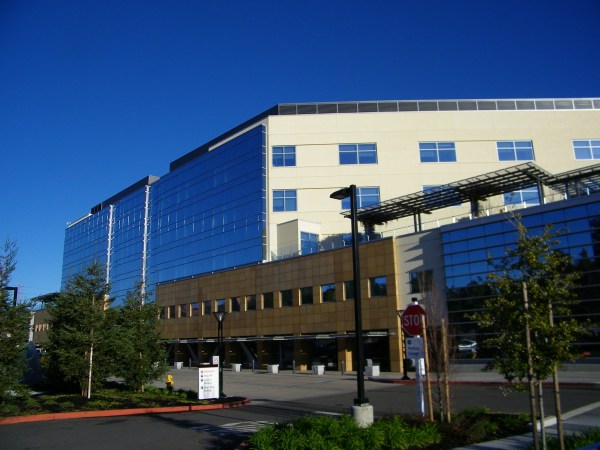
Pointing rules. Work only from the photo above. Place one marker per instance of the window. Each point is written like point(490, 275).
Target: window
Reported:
point(437, 152)
point(183, 310)
point(365, 196)
point(420, 281)
point(195, 309)
point(284, 200)
point(309, 243)
point(172, 312)
point(162, 312)
point(515, 151)
point(587, 149)
point(287, 298)
point(221, 305)
point(206, 307)
point(349, 290)
point(328, 292)
point(528, 197)
point(378, 286)
point(358, 154)
point(235, 304)
point(268, 300)
point(306, 295)
point(251, 303)
point(284, 156)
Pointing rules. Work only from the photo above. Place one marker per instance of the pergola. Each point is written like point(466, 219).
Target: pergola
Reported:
point(585, 180)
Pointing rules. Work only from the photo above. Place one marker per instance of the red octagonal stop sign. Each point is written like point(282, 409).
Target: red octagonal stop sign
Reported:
point(411, 320)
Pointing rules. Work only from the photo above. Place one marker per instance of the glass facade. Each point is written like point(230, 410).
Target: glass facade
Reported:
point(206, 215)
point(127, 243)
point(210, 213)
point(471, 251)
point(86, 241)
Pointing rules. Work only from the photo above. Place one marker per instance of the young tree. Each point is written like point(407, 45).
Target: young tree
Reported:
point(81, 333)
point(14, 328)
point(530, 286)
point(140, 353)
point(439, 351)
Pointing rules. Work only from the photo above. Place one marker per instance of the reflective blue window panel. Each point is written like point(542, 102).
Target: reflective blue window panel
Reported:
point(127, 244)
point(86, 241)
point(210, 213)
point(468, 261)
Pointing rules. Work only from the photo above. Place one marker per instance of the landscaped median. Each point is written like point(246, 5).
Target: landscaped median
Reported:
point(122, 412)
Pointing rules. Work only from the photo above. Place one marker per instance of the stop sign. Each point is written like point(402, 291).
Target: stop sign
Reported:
point(411, 319)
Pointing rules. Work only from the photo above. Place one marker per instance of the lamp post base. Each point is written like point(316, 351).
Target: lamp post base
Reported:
point(363, 414)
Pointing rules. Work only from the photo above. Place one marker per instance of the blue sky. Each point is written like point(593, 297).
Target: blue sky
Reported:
point(94, 95)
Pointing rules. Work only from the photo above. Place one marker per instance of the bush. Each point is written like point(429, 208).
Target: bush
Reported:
point(327, 433)
point(577, 440)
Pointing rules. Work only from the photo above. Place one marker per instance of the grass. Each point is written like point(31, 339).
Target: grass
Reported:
point(112, 396)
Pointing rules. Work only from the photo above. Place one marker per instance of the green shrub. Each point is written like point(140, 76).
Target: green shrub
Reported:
point(577, 440)
point(327, 433)
point(10, 409)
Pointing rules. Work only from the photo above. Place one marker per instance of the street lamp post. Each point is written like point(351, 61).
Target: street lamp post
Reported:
point(220, 316)
point(362, 411)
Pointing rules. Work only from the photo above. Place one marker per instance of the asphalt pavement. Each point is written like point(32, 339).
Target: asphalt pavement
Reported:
point(287, 394)
point(293, 385)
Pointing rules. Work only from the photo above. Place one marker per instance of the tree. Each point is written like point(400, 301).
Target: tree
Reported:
point(14, 328)
point(530, 286)
point(81, 334)
point(140, 353)
point(440, 353)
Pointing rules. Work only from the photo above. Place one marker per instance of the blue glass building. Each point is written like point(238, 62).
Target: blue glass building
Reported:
point(472, 248)
point(205, 215)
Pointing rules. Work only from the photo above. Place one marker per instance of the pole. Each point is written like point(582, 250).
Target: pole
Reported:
point(220, 316)
point(445, 362)
point(557, 406)
point(221, 360)
point(536, 443)
point(360, 381)
point(427, 379)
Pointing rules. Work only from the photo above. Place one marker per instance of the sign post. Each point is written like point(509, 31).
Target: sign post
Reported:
point(413, 319)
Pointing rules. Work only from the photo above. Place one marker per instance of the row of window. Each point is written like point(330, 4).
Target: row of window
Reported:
point(271, 300)
point(287, 199)
point(284, 156)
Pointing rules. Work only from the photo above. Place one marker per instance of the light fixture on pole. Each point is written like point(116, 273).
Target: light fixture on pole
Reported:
point(220, 316)
point(362, 411)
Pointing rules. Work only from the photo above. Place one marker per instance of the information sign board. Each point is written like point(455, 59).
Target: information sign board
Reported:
point(208, 382)
point(414, 348)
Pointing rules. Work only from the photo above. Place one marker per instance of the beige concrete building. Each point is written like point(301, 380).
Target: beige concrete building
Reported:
point(245, 223)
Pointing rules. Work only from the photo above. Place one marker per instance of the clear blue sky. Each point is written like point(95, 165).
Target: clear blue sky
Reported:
point(95, 95)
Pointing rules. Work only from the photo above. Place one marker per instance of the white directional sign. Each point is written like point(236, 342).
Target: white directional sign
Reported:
point(208, 383)
point(414, 348)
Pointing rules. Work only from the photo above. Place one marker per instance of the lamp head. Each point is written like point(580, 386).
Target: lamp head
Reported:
point(220, 316)
point(341, 194)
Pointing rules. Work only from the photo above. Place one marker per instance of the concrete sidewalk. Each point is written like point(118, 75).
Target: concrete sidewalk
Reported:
point(238, 383)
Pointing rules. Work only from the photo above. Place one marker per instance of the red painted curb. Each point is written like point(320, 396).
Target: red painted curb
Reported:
point(119, 412)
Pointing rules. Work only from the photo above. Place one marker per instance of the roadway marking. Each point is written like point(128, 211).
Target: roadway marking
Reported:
point(247, 427)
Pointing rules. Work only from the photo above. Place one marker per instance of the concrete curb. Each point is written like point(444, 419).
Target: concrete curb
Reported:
point(119, 412)
point(583, 385)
